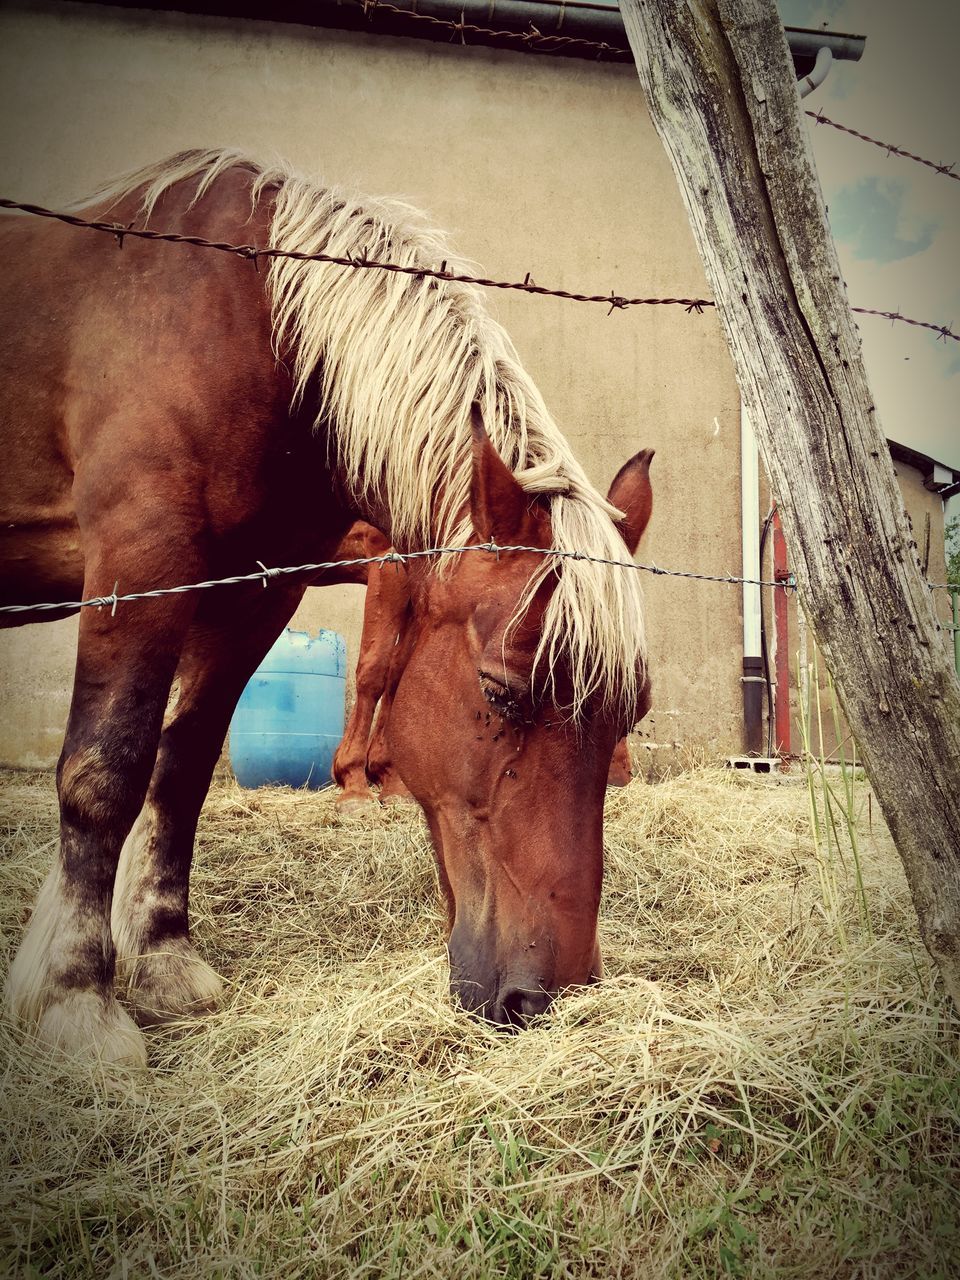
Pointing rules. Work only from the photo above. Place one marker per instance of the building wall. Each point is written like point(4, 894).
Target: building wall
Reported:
point(926, 516)
point(533, 164)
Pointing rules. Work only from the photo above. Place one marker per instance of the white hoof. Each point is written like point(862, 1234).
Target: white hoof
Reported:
point(170, 983)
point(52, 928)
point(93, 1026)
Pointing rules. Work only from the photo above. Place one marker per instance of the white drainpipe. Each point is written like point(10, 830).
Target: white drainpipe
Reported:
point(750, 534)
point(821, 69)
point(750, 543)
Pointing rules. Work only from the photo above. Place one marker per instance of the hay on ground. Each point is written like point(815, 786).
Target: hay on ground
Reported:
point(763, 1085)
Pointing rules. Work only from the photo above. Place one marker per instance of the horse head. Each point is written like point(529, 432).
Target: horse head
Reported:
point(511, 780)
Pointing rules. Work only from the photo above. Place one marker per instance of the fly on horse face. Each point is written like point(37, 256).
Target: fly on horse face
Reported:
point(173, 415)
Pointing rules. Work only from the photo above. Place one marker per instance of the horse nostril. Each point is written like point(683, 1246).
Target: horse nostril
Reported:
point(517, 1005)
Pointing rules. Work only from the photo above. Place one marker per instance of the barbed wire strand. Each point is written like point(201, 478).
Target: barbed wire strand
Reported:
point(531, 38)
point(941, 330)
point(398, 558)
point(612, 300)
point(947, 170)
point(254, 253)
point(392, 557)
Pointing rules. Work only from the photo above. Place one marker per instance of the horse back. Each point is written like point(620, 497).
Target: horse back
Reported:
point(140, 375)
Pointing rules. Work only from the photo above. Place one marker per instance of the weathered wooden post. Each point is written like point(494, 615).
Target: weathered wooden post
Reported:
point(721, 90)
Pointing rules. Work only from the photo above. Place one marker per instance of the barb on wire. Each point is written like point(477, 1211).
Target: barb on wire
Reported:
point(263, 574)
point(947, 170)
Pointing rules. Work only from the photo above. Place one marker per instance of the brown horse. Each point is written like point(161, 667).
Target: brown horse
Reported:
point(173, 415)
point(363, 757)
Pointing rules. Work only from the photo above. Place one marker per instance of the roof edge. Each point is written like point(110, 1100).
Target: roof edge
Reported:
point(559, 28)
point(946, 487)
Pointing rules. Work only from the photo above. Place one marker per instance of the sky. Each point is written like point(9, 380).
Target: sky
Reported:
point(897, 223)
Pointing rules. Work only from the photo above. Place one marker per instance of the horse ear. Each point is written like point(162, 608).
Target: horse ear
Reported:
point(632, 493)
point(498, 504)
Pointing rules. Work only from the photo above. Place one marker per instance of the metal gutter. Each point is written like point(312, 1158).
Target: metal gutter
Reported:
point(806, 43)
point(516, 24)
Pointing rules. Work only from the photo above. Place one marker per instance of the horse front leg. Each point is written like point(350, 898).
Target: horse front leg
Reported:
point(61, 980)
point(380, 766)
point(163, 975)
point(349, 762)
point(386, 598)
point(350, 759)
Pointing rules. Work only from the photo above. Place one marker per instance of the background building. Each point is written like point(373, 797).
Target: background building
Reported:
point(534, 163)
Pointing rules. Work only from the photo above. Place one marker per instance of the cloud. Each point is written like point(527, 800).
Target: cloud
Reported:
point(869, 216)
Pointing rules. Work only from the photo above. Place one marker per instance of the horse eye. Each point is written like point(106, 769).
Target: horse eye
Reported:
point(505, 701)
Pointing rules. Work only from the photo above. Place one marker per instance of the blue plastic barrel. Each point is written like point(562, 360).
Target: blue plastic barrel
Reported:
point(289, 720)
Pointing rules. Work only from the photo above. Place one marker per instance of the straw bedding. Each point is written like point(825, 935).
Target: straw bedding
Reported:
point(763, 1085)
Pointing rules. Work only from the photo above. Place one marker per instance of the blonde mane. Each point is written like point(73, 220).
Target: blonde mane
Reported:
point(399, 360)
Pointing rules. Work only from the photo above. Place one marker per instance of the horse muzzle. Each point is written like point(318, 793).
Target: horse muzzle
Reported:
point(506, 996)
point(510, 1004)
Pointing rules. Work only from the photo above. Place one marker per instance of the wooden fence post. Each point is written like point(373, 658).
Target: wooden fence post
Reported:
point(721, 89)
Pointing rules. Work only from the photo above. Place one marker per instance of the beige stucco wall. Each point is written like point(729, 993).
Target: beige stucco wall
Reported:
point(925, 513)
point(533, 163)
